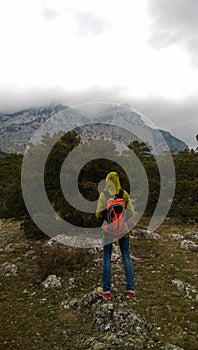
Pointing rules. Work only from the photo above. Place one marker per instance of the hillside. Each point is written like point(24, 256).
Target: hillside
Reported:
point(18, 127)
point(64, 312)
point(111, 121)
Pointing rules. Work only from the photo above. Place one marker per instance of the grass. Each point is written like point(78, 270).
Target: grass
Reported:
point(33, 318)
point(161, 262)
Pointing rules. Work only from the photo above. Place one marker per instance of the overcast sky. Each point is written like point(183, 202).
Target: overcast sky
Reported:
point(71, 51)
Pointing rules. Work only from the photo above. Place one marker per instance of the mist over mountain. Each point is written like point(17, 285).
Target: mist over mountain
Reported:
point(111, 121)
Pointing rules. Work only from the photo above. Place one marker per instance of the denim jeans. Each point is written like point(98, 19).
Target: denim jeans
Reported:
point(106, 267)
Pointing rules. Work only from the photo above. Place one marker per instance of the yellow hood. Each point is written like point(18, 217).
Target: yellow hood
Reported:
point(112, 183)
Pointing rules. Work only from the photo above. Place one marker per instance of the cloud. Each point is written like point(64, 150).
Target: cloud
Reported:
point(88, 23)
point(49, 14)
point(49, 10)
point(174, 22)
point(14, 99)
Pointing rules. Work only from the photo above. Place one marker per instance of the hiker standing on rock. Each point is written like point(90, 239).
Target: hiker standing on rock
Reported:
point(117, 202)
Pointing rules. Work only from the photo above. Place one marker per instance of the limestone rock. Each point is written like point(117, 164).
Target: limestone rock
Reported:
point(94, 244)
point(52, 281)
point(149, 234)
point(176, 237)
point(193, 235)
point(87, 300)
point(186, 287)
point(186, 244)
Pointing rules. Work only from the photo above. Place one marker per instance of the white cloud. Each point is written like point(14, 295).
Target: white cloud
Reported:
point(89, 23)
point(50, 14)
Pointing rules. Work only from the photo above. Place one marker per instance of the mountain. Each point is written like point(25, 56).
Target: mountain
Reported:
point(112, 121)
point(120, 123)
point(174, 143)
point(18, 127)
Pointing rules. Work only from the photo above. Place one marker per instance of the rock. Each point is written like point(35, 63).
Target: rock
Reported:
point(149, 234)
point(122, 320)
point(8, 269)
point(98, 346)
point(93, 244)
point(176, 237)
point(71, 282)
point(74, 303)
point(87, 300)
point(9, 248)
point(29, 254)
point(98, 261)
point(185, 287)
point(186, 244)
point(116, 326)
point(179, 284)
point(194, 248)
point(193, 235)
point(97, 249)
point(52, 281)
point(65, 304)
point(170, 347)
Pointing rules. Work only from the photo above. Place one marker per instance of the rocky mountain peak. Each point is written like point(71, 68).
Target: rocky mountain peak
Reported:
point(18, 127)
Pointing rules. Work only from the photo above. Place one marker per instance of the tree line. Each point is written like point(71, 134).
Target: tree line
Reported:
point(184, 204)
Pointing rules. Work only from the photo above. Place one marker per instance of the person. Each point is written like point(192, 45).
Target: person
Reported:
point(113, 188)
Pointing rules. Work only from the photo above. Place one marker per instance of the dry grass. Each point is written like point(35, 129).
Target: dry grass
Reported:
point(60, 260)
point(161, 262)
point(33, 318)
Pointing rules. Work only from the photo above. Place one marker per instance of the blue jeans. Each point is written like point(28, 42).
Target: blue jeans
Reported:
point(106, 267)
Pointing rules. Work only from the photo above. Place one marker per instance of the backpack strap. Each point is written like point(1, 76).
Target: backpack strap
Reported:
point(120, 194)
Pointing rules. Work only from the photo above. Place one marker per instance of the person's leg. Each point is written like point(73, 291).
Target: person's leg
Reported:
point(106, 267)
point(124, 247)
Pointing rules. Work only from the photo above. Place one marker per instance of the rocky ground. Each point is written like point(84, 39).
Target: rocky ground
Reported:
point(48, 299)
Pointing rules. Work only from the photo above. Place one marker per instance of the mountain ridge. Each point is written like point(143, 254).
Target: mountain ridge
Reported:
point(18, 127)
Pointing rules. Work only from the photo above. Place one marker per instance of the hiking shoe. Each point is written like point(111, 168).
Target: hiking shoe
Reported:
point(130, 294)
point(101, 293)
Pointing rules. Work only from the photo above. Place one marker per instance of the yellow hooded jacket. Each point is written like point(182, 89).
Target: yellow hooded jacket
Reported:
point(113, 187)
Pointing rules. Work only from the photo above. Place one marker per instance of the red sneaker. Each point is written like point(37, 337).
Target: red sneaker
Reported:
point(101, 293)
point(130, 294)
